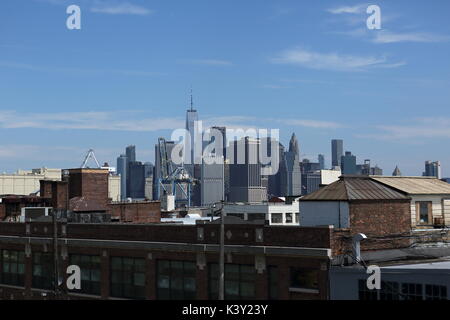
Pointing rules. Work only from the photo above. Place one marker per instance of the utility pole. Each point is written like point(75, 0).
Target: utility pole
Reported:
point(221, 249)
point(221, 253)
point(55, 255)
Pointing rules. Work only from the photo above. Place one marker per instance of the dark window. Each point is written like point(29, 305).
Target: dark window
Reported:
point(256, 216)
point(389, 291)
point(365, 293)
point(176, 280)
point(239, 282)
point(302, 278)
point(43, 276)
point(434, 292)
point(277, 218)
point(90, 273)
point(272, 273)
point(412, 291)
point(13, 267)
point(289, 218)
point(128, 277)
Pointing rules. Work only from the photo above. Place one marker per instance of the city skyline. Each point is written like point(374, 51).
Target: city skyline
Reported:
point(104, 87)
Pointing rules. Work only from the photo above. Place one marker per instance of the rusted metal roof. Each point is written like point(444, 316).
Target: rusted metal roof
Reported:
point(415, 185)
point(355, 188)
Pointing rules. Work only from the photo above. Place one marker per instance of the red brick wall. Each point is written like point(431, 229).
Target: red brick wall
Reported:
point(89, 183)
point(137, 212)
point(381, 221)
point(57, 191)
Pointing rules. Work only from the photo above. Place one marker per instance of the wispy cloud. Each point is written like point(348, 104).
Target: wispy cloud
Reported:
point(112, 7)
point(116, 8)
point(106, 121)
point(384, 36)
point(415, 131)
point(360, 8)
point(76, 71)
point(313, 124)
point(332, 61)
point(137, 121)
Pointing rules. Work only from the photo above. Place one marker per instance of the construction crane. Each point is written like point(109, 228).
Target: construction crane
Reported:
point(90, 155)
point(173, 180)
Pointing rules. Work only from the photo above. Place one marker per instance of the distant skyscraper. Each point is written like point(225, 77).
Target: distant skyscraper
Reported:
point(122, 168)
point(376, 171)
point(136, 186)
point(397, 172)
point(245, 178)
point(212, 180)
point(348, 163)
point(337, 151)
point(293, 145)
point(321, 159)
point(433, 169)
point(191, 120)
point(277, 183)
point(294, 177)
point(131, 153)
point(308, 170)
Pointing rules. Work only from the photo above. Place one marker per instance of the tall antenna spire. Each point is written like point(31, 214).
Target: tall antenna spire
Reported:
point(192, 100)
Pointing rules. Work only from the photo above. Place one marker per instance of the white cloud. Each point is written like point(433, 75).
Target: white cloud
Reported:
point(348, 9)
point(384, 36)
point(120, 8)
point(331, 61)
point(108, 121)
point(420, 128)
point(313, 124)
point(77, 71)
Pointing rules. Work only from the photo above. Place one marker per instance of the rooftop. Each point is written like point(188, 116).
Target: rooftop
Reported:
point(355, 188)
point(415, 185)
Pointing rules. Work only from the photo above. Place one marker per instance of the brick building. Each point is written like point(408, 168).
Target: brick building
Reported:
point(157, 261)
point(359, 204)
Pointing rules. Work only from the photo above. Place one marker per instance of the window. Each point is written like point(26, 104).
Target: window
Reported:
point(272, 273)
point(424, 212)
point(13, 267)
point(289, 217)
point(365, 293)
point(43, 275)
point(389, 291)
point(434, 292)
point(239, 282)
point(277, 218)
point(128, 277)
point(90, 273)
point(302, 278)
point(256, 216)
point(297, 217)
point(412, 291)
point(176, 280)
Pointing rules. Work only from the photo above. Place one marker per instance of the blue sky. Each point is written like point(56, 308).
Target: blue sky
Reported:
point(309, 67)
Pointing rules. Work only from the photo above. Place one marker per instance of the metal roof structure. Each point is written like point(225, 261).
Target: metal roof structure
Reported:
point(415, 185)
point(350, 188)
